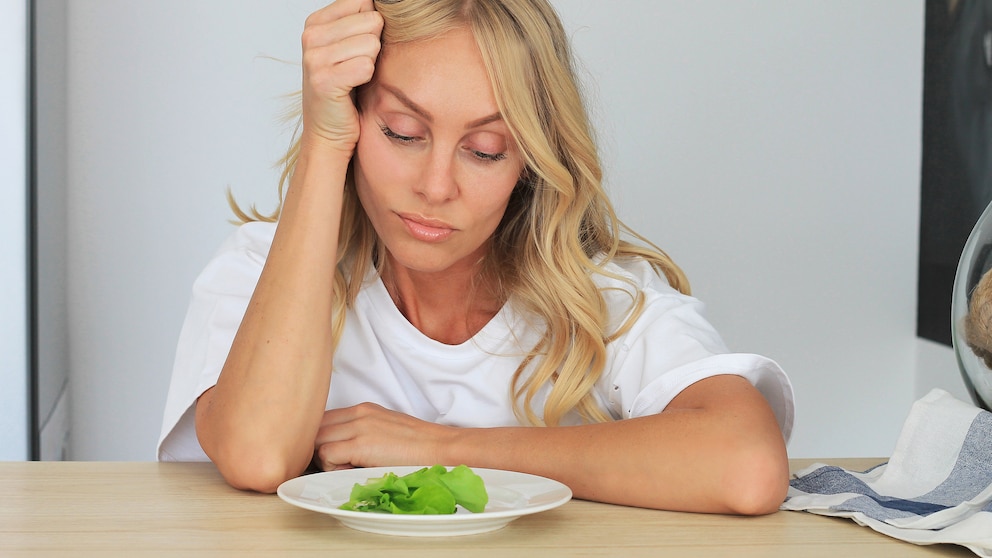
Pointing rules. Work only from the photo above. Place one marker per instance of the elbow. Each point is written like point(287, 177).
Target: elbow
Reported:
point(758, 483)
point(246, 459)
point(256, 473)
point(251, 464)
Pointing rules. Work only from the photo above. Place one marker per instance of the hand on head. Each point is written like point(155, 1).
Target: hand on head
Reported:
point(340, 45)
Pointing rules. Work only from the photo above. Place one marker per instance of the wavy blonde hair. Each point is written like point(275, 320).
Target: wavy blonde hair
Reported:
point(559, 228)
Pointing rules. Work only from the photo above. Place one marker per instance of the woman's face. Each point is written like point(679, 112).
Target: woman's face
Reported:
point(435, 163)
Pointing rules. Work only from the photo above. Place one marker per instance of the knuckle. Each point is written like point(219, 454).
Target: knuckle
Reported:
point(372, 43)
point(323, 456)
point(365, 67)
point(313, 19)
point(327, 457)
point(315, 74)
point(307, 38)
point(375, 19)
point(362, 408)
point(366, 408)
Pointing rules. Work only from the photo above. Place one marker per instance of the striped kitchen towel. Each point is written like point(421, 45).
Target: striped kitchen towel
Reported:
point(936, 487)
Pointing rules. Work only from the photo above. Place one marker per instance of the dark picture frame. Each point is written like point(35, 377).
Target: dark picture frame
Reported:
point(956, 169)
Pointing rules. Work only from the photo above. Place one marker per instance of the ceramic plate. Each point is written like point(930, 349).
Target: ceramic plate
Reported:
point(511, 495)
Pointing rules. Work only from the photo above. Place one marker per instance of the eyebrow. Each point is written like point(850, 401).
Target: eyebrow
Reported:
point(423, 113)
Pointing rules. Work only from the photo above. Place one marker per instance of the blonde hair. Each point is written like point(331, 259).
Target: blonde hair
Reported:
point(559, 228)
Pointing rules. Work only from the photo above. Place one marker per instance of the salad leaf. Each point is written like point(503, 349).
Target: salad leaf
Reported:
point(468, 488)
point(426, 500)
point(428, 491)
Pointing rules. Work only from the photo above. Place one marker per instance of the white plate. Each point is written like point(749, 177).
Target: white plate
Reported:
point(511, 495)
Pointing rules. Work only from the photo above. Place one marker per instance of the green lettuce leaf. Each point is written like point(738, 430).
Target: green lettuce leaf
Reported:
point(426, 500)
point(467, 488)
point(428, 491)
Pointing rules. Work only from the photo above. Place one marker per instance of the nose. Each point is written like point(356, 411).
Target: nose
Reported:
point(437, 183)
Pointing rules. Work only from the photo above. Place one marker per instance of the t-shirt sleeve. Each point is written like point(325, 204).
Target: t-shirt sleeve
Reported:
point(218, 302)
point(672, 346)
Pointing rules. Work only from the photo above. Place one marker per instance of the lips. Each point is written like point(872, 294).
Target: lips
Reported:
point(426, 229)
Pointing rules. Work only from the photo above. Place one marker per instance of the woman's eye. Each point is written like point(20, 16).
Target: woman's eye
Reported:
point(482, 155)
point(389, 133)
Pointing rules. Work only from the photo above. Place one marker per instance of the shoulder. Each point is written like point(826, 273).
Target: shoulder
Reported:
point(253, 238)
point(632, 288)
point(236, 265)
point(248, 243)
point(635, 272)
point(622, 281)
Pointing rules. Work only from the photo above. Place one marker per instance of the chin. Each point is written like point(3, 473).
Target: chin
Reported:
point(423, 265)
point(429, 259)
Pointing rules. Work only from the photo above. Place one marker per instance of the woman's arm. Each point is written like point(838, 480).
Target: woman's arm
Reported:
point(716, 448)
point(258, 422)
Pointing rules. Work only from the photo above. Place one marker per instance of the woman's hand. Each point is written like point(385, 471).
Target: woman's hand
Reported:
point(340, 46)
point(367, 435)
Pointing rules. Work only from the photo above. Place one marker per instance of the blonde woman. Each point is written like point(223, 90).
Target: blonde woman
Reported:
point(445, 282)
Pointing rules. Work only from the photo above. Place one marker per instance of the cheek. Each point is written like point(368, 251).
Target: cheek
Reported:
point(492, 202)
point(502, 188)
point(384, 163)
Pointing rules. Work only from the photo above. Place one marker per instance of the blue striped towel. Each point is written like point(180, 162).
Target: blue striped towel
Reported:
point(936, 487)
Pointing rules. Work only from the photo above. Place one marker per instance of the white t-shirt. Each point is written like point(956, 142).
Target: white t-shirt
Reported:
point(384, 359)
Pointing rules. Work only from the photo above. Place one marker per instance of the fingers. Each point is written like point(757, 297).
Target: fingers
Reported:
point(367, 435)
point(333, 457)
point(341, 54)
point(334, 70)
point(341, 43)
point(340, 21)
point(338, 446)
point(335, 445)
point(316, 35)
point(339, 9)
point(339, 425)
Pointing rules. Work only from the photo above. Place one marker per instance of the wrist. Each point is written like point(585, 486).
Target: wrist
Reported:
point(491, 447)
point(453, 444)
point(316, 145)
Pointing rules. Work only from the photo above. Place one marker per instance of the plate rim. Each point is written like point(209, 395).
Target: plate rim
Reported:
point(386, 518)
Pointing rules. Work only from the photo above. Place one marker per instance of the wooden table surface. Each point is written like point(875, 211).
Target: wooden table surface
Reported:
point(186, 509)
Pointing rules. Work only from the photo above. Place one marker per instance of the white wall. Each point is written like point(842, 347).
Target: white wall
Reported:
point(14, 423)
point(170, 103)
point(772, 147)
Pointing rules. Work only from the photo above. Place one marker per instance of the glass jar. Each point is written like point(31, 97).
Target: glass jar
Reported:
point(976, 261)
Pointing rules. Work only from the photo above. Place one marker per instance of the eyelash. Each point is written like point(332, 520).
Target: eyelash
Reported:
point(389, 133)
point(488, 157)
point(480, 155)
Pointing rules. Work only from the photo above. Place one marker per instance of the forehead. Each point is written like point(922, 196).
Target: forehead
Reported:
point(443, 74)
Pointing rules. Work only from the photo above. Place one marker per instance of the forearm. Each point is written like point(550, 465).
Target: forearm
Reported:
point(724, 458)
point(258, 423)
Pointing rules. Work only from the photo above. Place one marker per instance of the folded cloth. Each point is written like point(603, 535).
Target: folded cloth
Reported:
point(935, 488)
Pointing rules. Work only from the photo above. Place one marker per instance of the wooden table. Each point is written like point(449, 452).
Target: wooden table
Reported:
point(186, 509)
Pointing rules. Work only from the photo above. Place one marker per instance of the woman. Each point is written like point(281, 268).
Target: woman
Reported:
point(446, 248)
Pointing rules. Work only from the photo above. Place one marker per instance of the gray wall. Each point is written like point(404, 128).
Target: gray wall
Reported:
point(52, 323)
point(772, 147)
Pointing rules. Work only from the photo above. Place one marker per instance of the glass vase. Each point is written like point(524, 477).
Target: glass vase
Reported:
point(976, 261)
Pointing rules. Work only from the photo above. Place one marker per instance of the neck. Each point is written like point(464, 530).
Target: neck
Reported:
point(449, 306)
